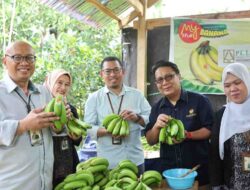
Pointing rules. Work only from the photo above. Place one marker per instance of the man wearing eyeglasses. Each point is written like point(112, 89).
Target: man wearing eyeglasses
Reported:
point(26, 149)
point(129, 103)
point(193, 109)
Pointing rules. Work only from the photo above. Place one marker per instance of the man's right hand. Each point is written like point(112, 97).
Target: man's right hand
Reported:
point(36, 120)
point(161, 121)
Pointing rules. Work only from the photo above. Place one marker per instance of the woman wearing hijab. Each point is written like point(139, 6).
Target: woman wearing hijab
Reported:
point(230, 140)
point(58, 82)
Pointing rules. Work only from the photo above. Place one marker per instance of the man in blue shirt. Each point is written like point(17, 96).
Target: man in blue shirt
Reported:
point(129, 103)
point(194, 110)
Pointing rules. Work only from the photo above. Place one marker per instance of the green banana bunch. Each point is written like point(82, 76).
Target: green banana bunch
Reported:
point(99, 167)
point(94, 164)
point(116, 125)
point(57, 106)
point(74, 125)
point(77, 127)
point(113, 174)
point(174, 129)
point(151, 177)
point(148, 147)
point(91, 175)
point(129, 165)
point(83, 179)
point(125, 168)
point(124, 182)
point(204, 63)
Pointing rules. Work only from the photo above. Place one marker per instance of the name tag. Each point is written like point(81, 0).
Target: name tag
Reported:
point(246, 161)
point(64, 144)
point(116, 141)
point(36, 138)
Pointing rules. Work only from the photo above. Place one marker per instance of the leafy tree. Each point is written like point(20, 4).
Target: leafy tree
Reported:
point(61, 42)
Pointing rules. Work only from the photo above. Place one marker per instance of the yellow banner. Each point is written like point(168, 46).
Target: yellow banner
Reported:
point(203, 47)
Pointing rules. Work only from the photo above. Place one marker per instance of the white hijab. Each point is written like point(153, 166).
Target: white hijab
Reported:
point(52, 77)
point(236, 118)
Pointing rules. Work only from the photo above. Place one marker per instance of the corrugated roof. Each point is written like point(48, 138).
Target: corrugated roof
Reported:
point(86, 10)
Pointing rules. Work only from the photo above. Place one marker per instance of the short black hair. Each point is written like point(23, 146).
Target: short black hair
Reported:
point(111, 58)
point(163, 63)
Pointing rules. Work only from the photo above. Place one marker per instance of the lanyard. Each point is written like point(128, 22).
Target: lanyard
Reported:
point(36, 136)
point(110, 103)
point(116, 141)
point(28, 107)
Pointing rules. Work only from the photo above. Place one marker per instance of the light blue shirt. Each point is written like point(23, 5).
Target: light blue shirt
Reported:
point(22, 166)
point(97, 108)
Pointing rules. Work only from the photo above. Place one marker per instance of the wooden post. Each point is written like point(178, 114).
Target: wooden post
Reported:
point(141, 51)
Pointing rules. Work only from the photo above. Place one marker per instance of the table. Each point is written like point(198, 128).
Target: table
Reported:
point(164, 186)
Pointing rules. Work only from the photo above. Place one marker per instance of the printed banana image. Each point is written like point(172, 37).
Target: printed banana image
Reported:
point(204, 63)
point(74, 125)
point(174, 129)
point(116, 125)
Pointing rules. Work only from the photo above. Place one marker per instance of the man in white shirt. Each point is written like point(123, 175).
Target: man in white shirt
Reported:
point(26, 149)
point(129, 103)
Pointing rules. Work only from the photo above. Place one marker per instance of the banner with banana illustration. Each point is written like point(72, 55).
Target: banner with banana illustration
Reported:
point(203, 47)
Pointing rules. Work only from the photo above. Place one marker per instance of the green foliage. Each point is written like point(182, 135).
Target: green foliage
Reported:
point(62, 42)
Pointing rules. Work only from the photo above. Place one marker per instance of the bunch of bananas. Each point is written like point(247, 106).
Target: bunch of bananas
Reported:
point(57, 106)
point(77, 127)
point(99, 167)
point(148, 147)
point(204, 63)
point(174, 129)
point(116, 125)
point(125, 168)
point(124, 176)
point(93, 175)
point(77, 180)
point(151, 177)
point(73, 125)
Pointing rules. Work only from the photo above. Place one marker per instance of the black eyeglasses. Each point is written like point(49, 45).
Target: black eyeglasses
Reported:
point(167, 78)
point(109, 71)
point(19, 58)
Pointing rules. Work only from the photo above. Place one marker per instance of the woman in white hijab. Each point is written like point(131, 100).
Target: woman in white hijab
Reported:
point(58, 82)
point(230, 152)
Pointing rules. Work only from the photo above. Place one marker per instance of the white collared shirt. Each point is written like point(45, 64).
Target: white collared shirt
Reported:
point(22, 166)
point(97, 108)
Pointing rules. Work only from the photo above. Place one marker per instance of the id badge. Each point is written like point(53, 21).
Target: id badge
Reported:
point(116, 141)
point(35, 138)
point(65, 144)
point(246, 161)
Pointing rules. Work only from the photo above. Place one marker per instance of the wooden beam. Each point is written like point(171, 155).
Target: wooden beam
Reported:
point(104, 9)
point(129, 18)
point(141, 75)
point(137, 6)
point(153, 23)
point(151, 2)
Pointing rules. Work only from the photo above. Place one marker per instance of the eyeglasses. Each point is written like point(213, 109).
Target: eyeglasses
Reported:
point(109, 71)
point(19, 58)
point(167, 78)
